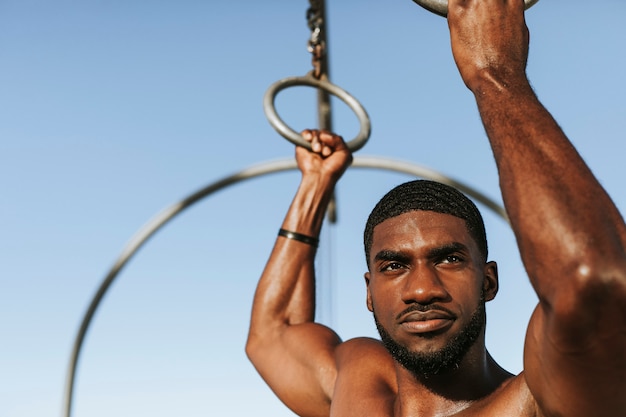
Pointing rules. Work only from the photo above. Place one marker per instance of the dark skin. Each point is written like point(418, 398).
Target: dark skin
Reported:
point(428, 258)
point(571, 237)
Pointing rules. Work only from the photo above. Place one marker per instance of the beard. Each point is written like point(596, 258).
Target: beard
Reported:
point(427, 364)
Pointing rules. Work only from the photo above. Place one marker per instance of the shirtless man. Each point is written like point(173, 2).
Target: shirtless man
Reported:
point(428, 276)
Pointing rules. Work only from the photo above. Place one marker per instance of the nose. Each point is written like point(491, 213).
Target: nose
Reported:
point(423, 286)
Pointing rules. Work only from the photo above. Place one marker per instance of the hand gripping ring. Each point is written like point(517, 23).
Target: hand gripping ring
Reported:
point(440, 7)
point(309, 80)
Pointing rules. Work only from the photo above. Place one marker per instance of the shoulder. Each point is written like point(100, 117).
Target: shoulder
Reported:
point(512, 398)
point(366, 379)
point(364, 352)
point(367, 360)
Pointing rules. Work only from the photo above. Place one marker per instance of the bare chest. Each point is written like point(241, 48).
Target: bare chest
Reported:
point(361, 398)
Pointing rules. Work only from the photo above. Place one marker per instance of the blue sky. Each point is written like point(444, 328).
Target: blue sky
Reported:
point(113, 110)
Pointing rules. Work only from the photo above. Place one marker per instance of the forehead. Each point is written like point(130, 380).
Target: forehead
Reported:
point(421, 227)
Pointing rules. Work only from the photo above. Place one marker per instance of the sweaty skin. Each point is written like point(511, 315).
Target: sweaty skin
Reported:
point(572, 241)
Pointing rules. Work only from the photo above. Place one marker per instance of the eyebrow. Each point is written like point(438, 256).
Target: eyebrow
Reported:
point(391, 255)
point(434, 253)
point(447, 249)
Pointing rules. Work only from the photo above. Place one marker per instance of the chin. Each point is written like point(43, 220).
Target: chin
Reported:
point(434, 356)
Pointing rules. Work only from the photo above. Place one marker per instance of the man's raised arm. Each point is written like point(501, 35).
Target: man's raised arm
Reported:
point(294, 355)
point(571, 236)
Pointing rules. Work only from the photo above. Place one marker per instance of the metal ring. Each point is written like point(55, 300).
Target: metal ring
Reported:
point(308, 80)
point(440, 7)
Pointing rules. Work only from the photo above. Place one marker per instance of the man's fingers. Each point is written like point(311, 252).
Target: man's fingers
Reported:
point(322, 141)
point(331, 142)
point(312, 136)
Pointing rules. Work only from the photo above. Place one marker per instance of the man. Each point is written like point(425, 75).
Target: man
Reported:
point(428, 275)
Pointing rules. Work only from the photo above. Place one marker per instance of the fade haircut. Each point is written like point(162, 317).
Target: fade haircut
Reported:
point(430, 196)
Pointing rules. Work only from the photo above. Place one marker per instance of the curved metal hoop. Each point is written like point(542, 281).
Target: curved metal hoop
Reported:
point(440, 7)
point(162, 218)
point(310, 81)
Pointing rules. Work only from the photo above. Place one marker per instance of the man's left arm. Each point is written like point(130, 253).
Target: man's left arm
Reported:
point(571, 236)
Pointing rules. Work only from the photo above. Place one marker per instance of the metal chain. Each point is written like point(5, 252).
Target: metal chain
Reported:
point(316, 44)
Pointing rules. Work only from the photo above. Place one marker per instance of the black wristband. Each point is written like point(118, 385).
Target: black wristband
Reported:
point(309, 240)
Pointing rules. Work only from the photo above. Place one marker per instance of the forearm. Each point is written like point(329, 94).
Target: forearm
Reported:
point(571, 238)
point(285, 294)
point(563, 219)
point(294, 355)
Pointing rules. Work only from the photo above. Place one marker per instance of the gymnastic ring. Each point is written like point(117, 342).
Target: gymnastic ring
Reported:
point(309, 80)
point(440, 7)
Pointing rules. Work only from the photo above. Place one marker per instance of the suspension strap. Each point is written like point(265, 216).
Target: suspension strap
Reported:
point(318, 79)
point(317, 42)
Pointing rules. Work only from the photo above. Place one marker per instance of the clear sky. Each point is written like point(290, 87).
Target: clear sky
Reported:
point(112, 110)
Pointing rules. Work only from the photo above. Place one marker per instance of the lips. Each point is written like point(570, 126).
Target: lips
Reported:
point(426, 321)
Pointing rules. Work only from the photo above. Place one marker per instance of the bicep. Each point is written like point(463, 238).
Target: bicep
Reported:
point(575, 364)
point(299, 366)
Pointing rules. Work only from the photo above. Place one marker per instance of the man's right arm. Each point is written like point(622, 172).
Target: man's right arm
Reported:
point(294, 355)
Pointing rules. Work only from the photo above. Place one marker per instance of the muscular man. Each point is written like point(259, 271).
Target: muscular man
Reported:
point(428, 276)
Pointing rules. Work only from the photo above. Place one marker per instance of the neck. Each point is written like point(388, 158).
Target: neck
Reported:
point(452, 391)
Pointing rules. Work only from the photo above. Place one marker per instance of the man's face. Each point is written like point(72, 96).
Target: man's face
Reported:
point(426, 287)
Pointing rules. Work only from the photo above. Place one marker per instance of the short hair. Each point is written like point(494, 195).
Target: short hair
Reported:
point(430, 196)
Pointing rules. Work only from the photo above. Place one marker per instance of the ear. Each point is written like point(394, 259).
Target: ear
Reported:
point(490, 280)
point(369, 295)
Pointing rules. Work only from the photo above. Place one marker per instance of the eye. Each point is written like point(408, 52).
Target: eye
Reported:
point(391, 266)
point(452, 259)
